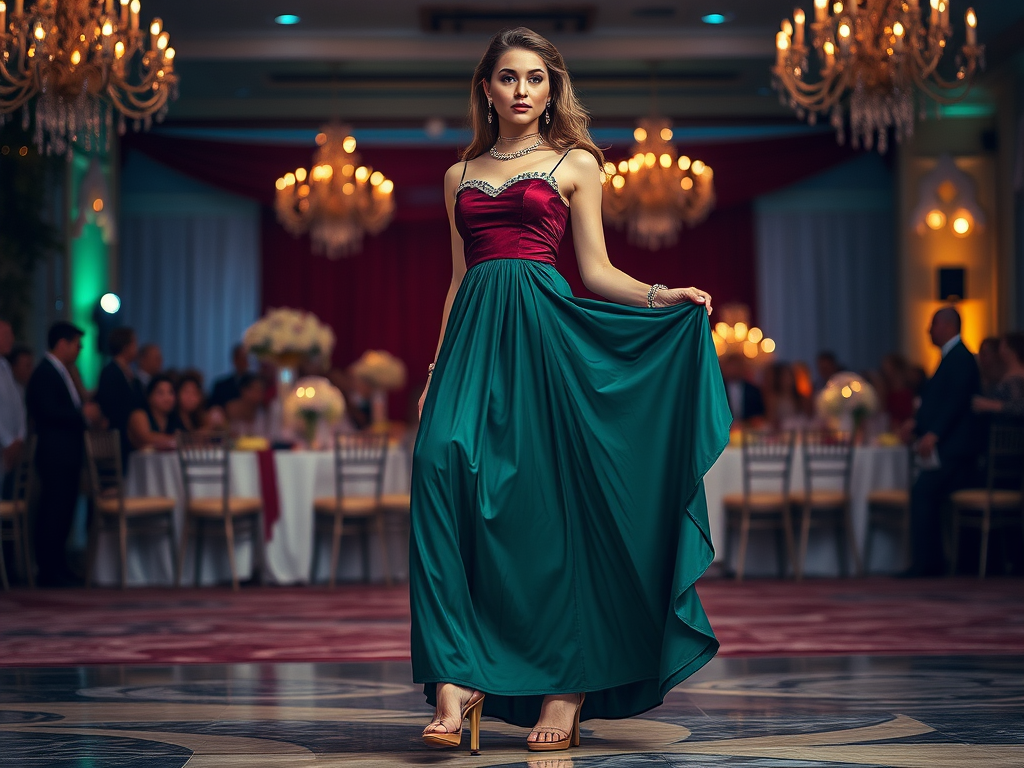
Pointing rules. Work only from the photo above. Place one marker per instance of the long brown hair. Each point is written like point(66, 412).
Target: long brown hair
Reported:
point(569, 118)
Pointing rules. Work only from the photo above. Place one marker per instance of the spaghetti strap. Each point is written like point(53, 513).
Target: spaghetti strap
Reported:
point(552, 172)
point(465, 164)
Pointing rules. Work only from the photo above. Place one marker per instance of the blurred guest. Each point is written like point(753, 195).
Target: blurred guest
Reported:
point(745, 399)
point(191, 414)
point(249, 414)
point(119, 392)
point(917, 377)
point(896, 393)
point(227, 389)
point(59, 418)
point(991, 364)
point(22, 362)
point(947, 441)
point(149, 363)
point(1007, 396)
point(785, 407)
point(828, 365)
point(12, 412)
point(153, 426)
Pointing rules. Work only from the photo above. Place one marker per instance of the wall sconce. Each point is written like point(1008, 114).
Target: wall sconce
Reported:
point(947, 198)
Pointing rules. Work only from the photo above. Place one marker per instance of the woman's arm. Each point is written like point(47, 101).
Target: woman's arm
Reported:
point(451, 183)
point(141, 436)
point(584, 181)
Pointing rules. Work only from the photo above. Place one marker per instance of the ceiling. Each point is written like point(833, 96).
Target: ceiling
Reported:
point(400, 62)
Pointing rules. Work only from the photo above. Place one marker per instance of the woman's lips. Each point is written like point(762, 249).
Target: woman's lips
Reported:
point(520, 107)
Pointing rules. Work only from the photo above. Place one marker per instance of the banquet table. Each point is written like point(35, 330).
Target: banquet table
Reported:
point(301, 477)
point(874, 468)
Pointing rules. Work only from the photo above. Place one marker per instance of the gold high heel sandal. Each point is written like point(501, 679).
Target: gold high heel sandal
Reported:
point(474, 707)
point(572, 739)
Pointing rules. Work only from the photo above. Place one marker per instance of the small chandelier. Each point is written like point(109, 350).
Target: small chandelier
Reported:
point(654, 192)
point(83, 64)
point(338, 200)
point(882, 53)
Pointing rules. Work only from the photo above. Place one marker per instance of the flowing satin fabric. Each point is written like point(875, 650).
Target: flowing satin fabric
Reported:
point(558, 512)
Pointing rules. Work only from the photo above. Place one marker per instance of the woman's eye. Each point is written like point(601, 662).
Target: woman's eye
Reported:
point(535, 79)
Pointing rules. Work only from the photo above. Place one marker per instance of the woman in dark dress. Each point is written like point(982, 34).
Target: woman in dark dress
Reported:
point(557, 506)
point(154, 425)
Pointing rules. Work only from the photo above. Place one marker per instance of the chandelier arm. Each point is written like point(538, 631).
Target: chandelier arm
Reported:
point(824, 96)
point(942, 98)
point(136, 109)
point(948, 85)
point(927, 66)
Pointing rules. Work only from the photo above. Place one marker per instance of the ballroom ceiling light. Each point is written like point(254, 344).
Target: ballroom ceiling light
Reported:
point(338, 200)
point(83, 62)
point(716, 18)
point(654, 192)
point(287, 19)
point(877, 56)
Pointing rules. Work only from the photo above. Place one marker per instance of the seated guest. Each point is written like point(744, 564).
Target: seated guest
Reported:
point(22, 362)
point(828, 365)
point(227, 389)
point(119, 393)
point(248, 414)
point(154, 426)
point(58, 416)
point(991, 365)
point(745, 399)
point(191, 414)
point(149, 363)
point(946, 441)
point(1007, 396)
point(896, 394)
point(785, 408)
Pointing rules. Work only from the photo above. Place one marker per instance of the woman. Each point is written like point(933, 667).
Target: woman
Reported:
point(558, 515)
point(153, 426)
point(784, 406)
point(1008, 396)
point(190, 415)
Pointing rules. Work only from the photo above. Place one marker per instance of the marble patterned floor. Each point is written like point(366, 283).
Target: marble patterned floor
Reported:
point(839, 712)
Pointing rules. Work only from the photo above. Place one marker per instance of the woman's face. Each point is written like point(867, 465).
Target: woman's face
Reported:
point(519, 87)
point(161, 400)
point(189, 397)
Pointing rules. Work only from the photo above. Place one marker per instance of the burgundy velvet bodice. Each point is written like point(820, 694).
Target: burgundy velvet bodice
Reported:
point(524, 218)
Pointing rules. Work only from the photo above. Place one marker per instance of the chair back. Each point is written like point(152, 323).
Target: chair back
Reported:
point(24, 475)
point(767, 460)
point(828, 455)
point(205, 459)
point(359, 460)
point(1006, 454)
point(103, 458)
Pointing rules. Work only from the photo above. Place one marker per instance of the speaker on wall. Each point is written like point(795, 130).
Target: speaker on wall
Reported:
point(952, 283)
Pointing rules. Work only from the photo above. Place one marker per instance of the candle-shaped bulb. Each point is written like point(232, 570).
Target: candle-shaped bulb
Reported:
point(781, 45)
point(135, 7)
point(156, 27)
point(798, 20)
point(3, 18)
point(820, 10)
point(972, 26)
point(119, 49)
point(19, 7)
point(787, 27)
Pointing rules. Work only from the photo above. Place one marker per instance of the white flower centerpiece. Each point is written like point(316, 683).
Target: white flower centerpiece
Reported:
point(847, 401)
point(383, 372)
point(314, 402)
point(287, 337)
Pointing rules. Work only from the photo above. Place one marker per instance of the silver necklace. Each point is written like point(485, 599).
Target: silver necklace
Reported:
point(524, 137)
point(518, 153)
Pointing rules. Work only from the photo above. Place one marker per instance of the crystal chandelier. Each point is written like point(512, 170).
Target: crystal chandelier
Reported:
point(654, 192)
point(83, 64)
point(338, 200)
point(882, 54)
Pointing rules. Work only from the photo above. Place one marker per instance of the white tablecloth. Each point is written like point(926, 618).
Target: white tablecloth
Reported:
point(301, 477)
point(874, 468)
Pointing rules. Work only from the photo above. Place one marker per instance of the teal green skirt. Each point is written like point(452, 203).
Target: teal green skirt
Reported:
point(558, 512)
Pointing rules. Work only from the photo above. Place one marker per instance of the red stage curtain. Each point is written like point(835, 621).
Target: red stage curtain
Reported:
point(391, 295)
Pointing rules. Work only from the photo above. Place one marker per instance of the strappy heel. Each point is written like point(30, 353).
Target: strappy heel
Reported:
point(572, 739)
point(473, 709)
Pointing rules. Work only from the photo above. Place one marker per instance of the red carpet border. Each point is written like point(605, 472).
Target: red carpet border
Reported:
point(371, 623)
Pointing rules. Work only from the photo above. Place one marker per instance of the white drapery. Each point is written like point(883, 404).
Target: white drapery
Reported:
point(189, 266)
point(827, 268)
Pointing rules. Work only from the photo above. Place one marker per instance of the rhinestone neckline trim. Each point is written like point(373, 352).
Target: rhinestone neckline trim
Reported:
point(493, 191)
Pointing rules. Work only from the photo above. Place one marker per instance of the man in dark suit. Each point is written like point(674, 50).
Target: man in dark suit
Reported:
point(745, 400)
point(59, 419)
point(948, 441)
point(227, 389)
point(119, 392)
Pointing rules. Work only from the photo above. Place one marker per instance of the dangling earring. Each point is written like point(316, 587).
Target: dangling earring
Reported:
point(490, 117)
point(547, 114)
